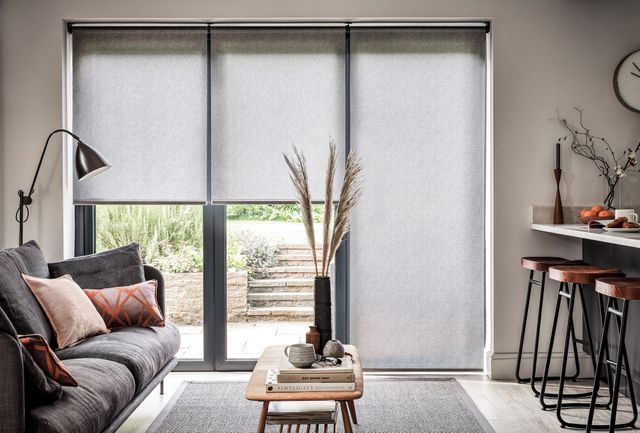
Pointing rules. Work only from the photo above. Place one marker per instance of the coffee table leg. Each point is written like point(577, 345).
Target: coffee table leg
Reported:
point(263, 417)
point(352, 411)
point(345, 417)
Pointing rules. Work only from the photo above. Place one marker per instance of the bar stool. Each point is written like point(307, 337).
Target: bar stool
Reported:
point(626, 289)
point(578, 276)
point(539, 264)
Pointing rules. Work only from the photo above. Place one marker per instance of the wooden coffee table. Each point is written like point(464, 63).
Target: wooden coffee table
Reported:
point(270, 359)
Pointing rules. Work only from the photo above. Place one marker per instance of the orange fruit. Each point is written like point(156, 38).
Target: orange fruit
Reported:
point(603, 214)
point(590, 214)
point(583, 211)
point(597, 208)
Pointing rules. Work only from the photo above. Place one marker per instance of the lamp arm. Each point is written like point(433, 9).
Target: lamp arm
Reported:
point(44, 150)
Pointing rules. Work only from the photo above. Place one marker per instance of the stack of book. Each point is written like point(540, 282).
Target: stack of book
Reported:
point(302, 412)
point(318, 377)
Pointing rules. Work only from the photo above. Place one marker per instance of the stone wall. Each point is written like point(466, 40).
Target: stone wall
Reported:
point(183, 296)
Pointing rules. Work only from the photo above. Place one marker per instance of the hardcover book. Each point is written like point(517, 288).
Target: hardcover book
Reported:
point(272, 385)
point(317, 368)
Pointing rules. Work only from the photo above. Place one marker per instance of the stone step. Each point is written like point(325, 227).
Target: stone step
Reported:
point(292, 272)
point(295, 259)
point(280, 299)
point(298, 249)
point(281, 313)
point(281, 285)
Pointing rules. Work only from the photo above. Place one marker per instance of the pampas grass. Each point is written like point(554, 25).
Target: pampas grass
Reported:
point(333, 229)
point(298, 174)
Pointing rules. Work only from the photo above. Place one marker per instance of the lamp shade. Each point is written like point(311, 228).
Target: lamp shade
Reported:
point(89, 161)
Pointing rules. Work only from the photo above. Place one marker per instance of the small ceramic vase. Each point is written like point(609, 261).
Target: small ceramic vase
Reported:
point(333, 349)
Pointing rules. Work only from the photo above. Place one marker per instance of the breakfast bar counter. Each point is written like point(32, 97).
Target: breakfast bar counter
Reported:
point(581, 231)
point(608, 250)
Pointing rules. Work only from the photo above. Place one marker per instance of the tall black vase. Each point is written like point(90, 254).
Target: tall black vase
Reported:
point(322, 308)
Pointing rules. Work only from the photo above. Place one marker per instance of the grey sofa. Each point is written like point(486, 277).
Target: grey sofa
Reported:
point(115, 371)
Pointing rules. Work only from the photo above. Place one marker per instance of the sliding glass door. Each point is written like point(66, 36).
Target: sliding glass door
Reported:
point(195, 119)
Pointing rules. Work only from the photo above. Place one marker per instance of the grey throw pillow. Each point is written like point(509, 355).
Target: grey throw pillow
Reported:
point(16, 300)
point(118, 267)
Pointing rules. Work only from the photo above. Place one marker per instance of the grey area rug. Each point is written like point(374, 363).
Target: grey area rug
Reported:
point(389, 405)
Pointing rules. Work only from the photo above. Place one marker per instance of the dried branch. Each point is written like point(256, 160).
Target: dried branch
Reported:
point(328, 207)
point(589, 146)
point(299, 177)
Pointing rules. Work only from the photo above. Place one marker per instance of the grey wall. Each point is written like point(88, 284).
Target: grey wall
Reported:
point(548, 54)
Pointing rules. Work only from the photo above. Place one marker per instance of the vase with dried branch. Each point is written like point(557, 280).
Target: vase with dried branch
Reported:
point(335, 224)
point(597, 149)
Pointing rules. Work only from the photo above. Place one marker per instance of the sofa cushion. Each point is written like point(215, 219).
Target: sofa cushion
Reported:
point(105, 388)
point(144, 351)
point(16, 299)
point(48, 362)
point(33, 259)
point(117, 267)
point(39, 389)
point(71, 314)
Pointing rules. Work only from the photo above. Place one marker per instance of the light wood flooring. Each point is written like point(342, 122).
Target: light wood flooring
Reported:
point(509, 407)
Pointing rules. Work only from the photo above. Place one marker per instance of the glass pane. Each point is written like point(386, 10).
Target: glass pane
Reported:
point(170, 239)
point(269, 278)
point(417, 239)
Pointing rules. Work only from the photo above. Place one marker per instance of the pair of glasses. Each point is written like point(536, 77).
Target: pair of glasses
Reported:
point(328, 360)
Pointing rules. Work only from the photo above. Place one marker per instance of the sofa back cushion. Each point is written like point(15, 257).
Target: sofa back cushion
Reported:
point(16, 299)
point(118, 267)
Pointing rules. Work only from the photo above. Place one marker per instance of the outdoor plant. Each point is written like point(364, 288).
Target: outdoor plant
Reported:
point(258, 255)
point(334, 225)
point(597, 149)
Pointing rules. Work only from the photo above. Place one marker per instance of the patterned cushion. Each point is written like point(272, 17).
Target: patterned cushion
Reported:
point(46, 359)
point(134, 305)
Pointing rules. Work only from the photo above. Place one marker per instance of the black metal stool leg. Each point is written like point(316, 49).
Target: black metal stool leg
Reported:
point(565, 353)
point(622, 361)
point(570, 334)
point(603, 312)
point(616, 382)
point(596, 380)
point(552, 338)
point(524, 325)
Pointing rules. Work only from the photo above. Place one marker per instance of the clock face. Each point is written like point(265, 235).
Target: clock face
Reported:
point(626, 81)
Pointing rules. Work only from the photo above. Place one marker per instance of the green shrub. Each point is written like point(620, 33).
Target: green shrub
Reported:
point(258, 254)
point(270, 212)
point(170, 236)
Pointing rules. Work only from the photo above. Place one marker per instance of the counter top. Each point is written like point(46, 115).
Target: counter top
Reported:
point(581, 231)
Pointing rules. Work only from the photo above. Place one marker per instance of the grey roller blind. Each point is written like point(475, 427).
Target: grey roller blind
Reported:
point(140, 97)
point(417, 238)
point(273, 88)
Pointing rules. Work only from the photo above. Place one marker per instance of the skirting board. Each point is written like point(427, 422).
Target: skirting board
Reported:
point(502, 366)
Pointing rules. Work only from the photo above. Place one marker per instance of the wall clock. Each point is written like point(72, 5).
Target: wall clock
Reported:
point(626, 81)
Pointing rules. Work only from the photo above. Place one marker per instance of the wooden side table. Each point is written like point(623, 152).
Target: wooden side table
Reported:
point(270, 359)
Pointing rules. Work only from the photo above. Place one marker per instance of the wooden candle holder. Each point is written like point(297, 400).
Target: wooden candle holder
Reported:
point(558, 216)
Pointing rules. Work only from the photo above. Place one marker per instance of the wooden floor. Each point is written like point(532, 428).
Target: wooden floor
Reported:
point(509, 407)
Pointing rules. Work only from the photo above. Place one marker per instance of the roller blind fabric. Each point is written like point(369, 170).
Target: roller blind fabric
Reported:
point(272, 88)
point(140, 97)
point(417, 239)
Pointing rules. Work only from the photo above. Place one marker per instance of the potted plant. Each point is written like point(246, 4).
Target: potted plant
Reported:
point(335, 224)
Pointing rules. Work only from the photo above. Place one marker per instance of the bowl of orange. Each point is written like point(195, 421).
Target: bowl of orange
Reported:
point(595, 213)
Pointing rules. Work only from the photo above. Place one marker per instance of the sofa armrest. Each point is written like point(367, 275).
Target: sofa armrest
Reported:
point(151, 273)
point(12, 410)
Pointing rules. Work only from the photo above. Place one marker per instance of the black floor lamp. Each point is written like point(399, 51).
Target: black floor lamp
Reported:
point(89, 162)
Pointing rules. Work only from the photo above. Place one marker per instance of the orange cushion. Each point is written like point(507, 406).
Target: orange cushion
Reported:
point(134, 305)
point(44, 358)
point(73, 317)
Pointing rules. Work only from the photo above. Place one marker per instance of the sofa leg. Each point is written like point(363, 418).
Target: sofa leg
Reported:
point(162, 387)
